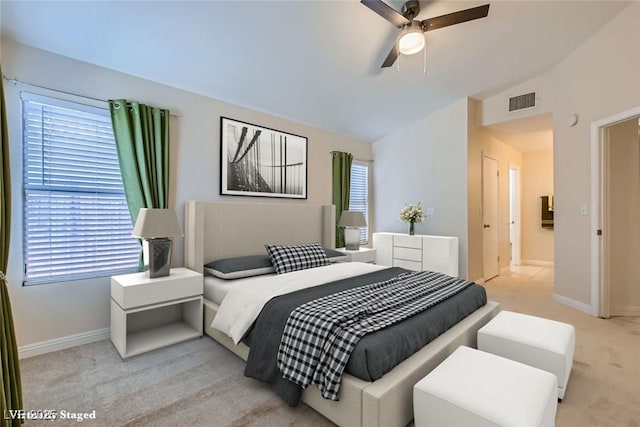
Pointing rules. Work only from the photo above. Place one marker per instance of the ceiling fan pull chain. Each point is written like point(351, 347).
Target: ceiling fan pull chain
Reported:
point(425, 54)
point(398, 55)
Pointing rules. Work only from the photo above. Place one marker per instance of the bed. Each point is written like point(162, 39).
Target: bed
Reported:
point(215, 230)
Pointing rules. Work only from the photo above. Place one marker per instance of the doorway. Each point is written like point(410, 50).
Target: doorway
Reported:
point(490, 255)
point(514, 215)
point(615, 187)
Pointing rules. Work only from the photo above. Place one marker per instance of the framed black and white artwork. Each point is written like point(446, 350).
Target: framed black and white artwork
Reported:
point(258, 161)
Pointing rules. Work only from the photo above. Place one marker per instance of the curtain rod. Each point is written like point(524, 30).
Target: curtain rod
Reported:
point(354, 158)
point(16, 81)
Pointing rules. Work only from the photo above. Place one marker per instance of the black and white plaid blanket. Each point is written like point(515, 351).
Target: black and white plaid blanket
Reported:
point(320, 335)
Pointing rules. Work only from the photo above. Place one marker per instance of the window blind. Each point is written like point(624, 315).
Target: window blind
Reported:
point(76, 220)
point(359, 194)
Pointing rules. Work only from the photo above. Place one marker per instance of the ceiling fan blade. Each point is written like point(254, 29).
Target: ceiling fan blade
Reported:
point(455, 18)
point(386, 11)
point(391, 58)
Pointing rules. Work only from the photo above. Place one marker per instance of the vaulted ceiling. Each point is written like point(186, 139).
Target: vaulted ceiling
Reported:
point(315, 62)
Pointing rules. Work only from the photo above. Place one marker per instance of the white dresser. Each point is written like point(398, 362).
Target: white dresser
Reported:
point(418, 252)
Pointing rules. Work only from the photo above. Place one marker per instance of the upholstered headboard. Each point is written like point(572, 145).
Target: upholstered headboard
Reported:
point(216, 230)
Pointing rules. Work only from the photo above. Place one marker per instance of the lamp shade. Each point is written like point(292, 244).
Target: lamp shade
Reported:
point(412, 39)
point(154, 223)
point(352, 219)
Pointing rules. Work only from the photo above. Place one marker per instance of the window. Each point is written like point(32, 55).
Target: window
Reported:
point(359, 194)
point(76, 220)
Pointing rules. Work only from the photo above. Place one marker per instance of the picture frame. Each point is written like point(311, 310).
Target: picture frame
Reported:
point(259, 161)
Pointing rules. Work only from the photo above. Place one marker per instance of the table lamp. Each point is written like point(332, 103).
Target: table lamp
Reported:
point(154, 227)
point(352, 221)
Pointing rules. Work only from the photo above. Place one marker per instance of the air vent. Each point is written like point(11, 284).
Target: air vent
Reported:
point(521, 102)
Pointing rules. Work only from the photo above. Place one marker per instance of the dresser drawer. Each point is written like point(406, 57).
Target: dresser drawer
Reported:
point(408, 241)
point(410, 265)
point(407, 254)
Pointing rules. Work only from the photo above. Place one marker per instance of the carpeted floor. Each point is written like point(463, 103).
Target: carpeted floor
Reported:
point(200, 383)
point(195, 383)
point(604, 386)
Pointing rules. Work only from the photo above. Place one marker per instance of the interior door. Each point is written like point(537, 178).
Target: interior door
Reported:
point(490, 258)
point(621, 224)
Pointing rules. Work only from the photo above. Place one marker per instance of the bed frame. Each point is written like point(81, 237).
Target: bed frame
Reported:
point(217, 230)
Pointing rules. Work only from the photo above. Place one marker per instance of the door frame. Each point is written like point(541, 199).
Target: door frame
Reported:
point(517, 246)
point(599, 295)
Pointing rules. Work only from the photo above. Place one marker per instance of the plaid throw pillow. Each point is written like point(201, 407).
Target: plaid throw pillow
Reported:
point(287, 258)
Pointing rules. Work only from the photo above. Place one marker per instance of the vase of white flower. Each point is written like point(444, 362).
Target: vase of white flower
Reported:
point(412, 214)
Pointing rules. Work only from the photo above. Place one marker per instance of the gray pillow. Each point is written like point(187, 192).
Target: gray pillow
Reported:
point(239, 267)
point(335, 256)
point(253, 265)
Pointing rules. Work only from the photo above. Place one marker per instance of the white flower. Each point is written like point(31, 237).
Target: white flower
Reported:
point(412, 213)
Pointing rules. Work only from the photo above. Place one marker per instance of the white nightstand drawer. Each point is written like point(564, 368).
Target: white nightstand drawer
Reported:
point(361, 255)
point(407, 254)
point(407, 241)
point(364, 256)
point(410, 265)
point(137, 289)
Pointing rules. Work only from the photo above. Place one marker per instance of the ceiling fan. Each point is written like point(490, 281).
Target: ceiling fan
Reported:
point(411, 39)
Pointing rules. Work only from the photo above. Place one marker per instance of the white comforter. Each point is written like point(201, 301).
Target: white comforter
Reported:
point(242, 305)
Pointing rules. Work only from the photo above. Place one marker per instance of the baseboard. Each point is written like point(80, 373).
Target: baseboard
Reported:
point(586, 308)
point(537, 262)
point(56, 344)
point(626, 311)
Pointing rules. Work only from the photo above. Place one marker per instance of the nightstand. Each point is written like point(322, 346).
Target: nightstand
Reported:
point(147, 314)
point(361, 255)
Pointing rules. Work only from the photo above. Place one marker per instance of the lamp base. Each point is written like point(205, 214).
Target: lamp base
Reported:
point(352, 238)
point(157, 257)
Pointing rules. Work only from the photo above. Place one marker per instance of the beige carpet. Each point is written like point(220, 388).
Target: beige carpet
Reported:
point(200, 383)
point(604, 386)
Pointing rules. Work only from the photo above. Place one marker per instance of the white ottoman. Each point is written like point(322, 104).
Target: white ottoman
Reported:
point(478, 389)
point(538, 342)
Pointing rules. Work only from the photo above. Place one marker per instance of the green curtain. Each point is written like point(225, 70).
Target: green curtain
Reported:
point(11, 392)
point(142, 140)
point(341, 186)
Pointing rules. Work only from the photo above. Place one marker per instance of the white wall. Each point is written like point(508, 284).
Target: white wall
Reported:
point(598, 80)
point(51, 311)
point(425, 162)
point(536, 180)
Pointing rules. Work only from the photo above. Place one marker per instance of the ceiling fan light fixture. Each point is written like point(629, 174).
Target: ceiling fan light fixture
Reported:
point(412, 40)
point(412, 37)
